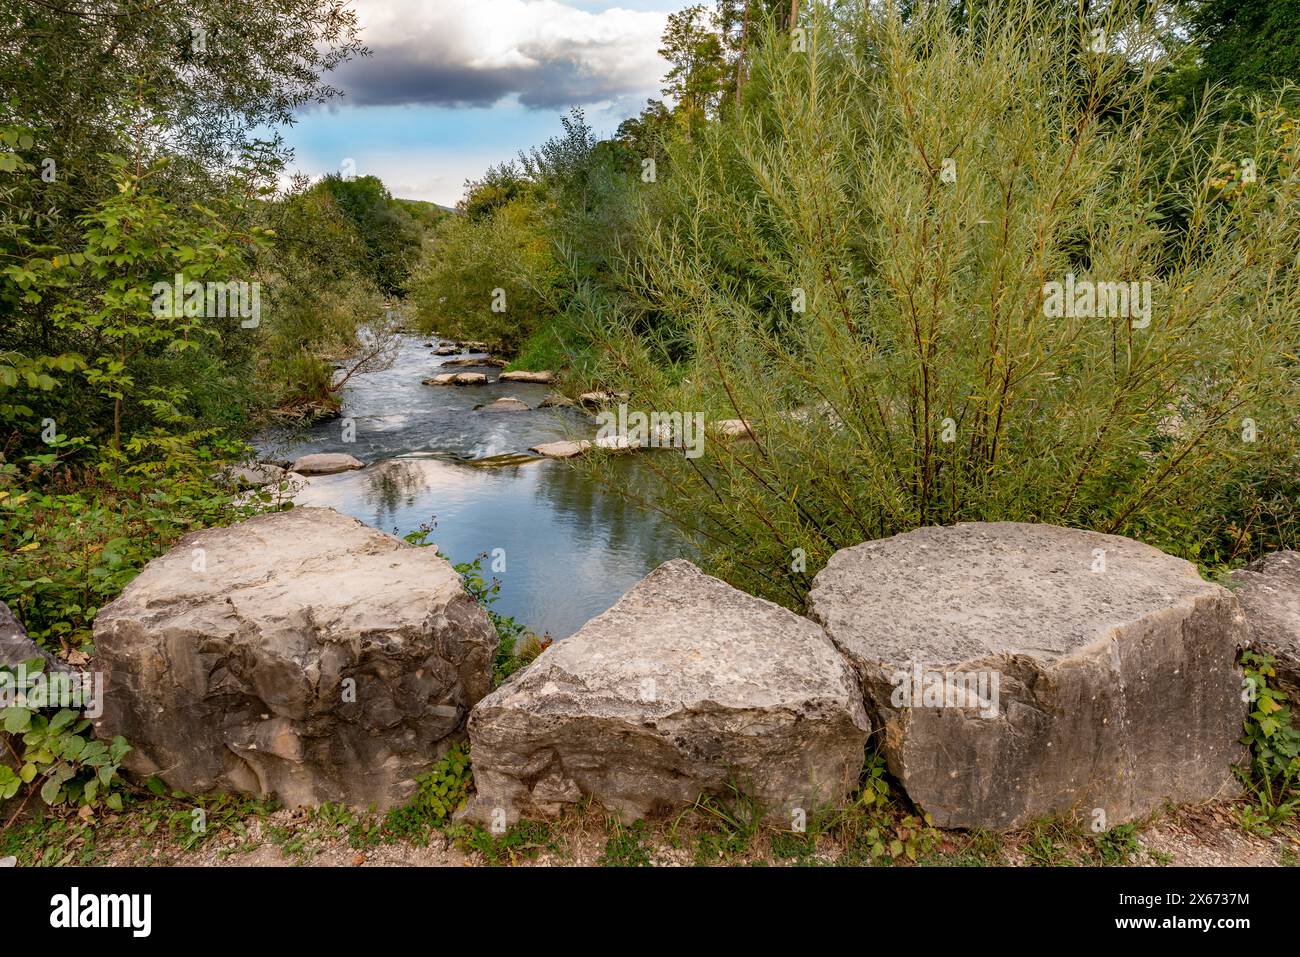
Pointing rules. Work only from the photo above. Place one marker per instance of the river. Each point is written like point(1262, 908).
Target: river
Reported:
point(568, 550)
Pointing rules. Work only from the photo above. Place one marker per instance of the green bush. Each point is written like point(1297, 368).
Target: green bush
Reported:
point(389, 237)
point(544, 230)
point(53, 752)
point(510, 250)
point(1273, 775)
point(75, 536)
point(442, 791)
point(517, 646)
point(816, 266)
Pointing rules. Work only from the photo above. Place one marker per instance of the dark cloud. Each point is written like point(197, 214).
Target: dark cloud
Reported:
point(409, 74)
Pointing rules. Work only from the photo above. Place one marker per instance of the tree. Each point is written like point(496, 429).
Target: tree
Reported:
point(498, 186)
point(644, 134)
point(698, 65)
point(390, 237)
point(179, 94)
point(1247, 44)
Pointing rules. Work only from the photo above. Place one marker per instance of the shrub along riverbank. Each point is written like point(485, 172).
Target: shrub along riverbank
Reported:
point(118, 398)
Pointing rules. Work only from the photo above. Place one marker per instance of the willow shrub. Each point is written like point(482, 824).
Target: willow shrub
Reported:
point(915, 185)
point(490, 279)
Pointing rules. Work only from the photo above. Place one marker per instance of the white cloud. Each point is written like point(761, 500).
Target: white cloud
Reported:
point(479, 51)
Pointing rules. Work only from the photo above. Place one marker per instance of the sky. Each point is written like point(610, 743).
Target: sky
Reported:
point(454, 86)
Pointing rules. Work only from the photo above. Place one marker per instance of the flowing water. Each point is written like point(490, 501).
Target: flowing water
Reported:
point(569, 549)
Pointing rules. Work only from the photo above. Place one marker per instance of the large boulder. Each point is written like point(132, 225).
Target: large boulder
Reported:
point(686, 686)
point(1269, 592)
point(1021, 671)
point(522, 375)
point(299, 654)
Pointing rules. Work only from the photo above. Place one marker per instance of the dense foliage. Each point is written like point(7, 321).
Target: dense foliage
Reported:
point(160, 296)
point(531, 236)
point(810, 268)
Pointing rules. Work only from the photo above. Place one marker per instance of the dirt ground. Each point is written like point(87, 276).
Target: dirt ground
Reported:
point(160, 834)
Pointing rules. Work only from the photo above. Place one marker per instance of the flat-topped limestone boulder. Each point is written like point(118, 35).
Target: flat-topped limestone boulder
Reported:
point(504, 404)
point(522, 375)
point(326, 463)
point(1269, 592)
point(685, 685)
point(298, 654)
point(561, 449)
point(457, 378)
point(1022, 671)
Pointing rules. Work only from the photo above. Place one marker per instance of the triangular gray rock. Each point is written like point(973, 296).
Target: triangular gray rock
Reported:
point(16, 648)
point(684, 687)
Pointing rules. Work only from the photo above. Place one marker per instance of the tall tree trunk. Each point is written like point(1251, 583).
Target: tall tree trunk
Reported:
point(794, 13)
point(740, 61)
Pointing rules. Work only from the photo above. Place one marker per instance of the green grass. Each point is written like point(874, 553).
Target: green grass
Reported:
point(554, 345)
point(522, 841)
point(625, 846)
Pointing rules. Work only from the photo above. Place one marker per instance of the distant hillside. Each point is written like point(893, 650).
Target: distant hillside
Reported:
point(427, 214)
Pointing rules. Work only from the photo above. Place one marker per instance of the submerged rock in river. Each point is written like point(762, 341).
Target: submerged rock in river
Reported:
point(503, 404)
